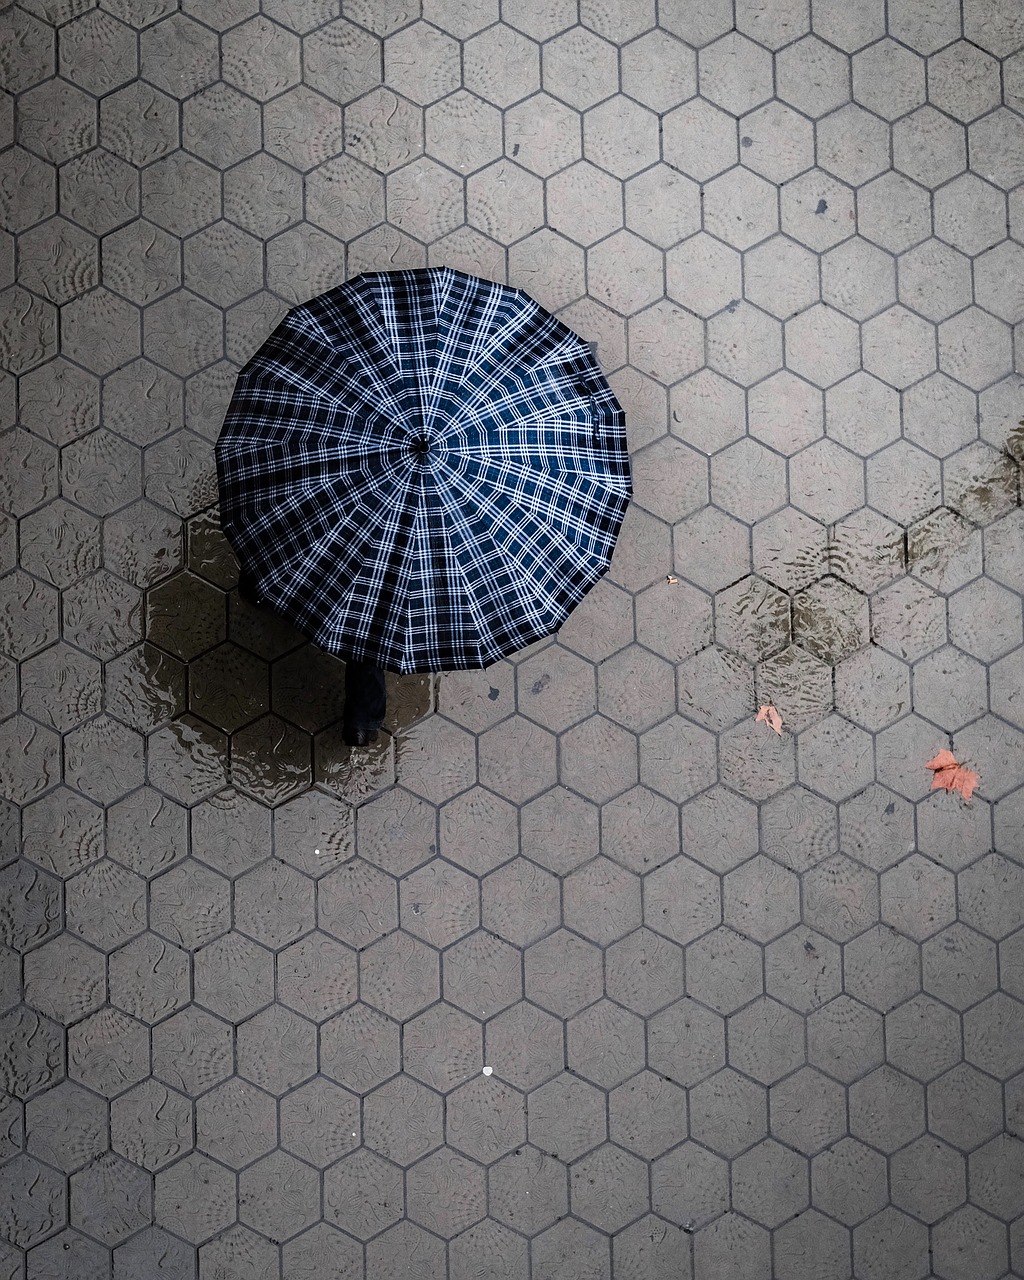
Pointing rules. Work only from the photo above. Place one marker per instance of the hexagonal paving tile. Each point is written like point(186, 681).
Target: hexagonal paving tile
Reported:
point(276, 1050)
point(60, 686)
point(110, 1199)
point(261, 1202)
point(528, 1190)
point(505, 1108)
point(438, 903)
point(598, 759)
point(635, 686)
point(380, 965)
point(62, 832)
point(445, 1192)
point(781, 277)
point(149, 978)
point(320, 1122)
point(555, 688)
point(562, 973)
point(740, 208)
point(105, 904)
point(602, 901)
point(872, 688)
point(631, 294)
point(195, 1198)
point(662, 205)
point(848, 1181)
point(798, 829)
point(64, 979)
point(236, 1123)
point(959, 966)
point(520, 902)
point(674, 620)
point(603, 1044)
point(928, 1179)
point(463, 131)
point(231, 975)
point(151, 1125)
point(108, 1052)
point(881, 968)
point(923, 1038)
point(35, 1198)
point(752, 618)
point(747, 480)
point(802, 969)
point(528, 747)
point(703, 274)
point(760, 899)
point(501, 65)
point(670, 479)
point(567, 1117)
point(790, 549)
point(826, 481)
point(559, 830)
point(816, 210)
point(178, 55)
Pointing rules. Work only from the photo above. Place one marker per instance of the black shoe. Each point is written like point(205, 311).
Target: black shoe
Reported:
point(358, 735)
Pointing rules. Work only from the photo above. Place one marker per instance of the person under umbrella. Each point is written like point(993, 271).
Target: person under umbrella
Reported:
point(422, 471)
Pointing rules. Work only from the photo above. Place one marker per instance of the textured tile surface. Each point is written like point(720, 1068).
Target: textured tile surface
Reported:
point(580, 972)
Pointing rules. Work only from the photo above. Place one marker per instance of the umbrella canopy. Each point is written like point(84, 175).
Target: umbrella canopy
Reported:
point(423, 469)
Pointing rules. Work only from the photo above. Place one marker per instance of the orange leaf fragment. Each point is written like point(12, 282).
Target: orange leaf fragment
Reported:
point(944, 760)
point(965, 781)
point(951, 775)
point(769, 715)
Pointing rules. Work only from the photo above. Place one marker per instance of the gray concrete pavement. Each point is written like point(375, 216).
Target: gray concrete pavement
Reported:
point(581, 973)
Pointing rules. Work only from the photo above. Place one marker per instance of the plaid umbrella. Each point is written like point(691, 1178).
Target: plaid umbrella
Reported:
point(423, 470)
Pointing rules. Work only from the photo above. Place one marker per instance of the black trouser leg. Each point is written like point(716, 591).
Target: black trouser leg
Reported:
point(248, 589)
point(365, 702)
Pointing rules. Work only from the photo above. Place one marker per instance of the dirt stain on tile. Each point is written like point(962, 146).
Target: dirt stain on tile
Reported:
point(881, 561)
point(830, 620)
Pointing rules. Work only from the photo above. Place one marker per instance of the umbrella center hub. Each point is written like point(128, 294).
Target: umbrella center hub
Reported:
point(420, 446)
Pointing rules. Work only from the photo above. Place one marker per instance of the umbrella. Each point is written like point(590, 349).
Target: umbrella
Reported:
point(423, 470)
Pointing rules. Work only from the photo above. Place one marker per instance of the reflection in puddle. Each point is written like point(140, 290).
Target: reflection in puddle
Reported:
point(271, 759)
point(354, 773)
point(410, 698)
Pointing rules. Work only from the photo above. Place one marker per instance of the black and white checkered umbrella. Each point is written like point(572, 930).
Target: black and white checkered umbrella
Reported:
point(423, 470)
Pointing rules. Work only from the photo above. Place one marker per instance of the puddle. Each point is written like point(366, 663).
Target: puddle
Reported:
point(410, 699)
point(273, 701)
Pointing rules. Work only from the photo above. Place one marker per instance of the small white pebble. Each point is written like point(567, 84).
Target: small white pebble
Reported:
point(317, 852)
point(488, 1070)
